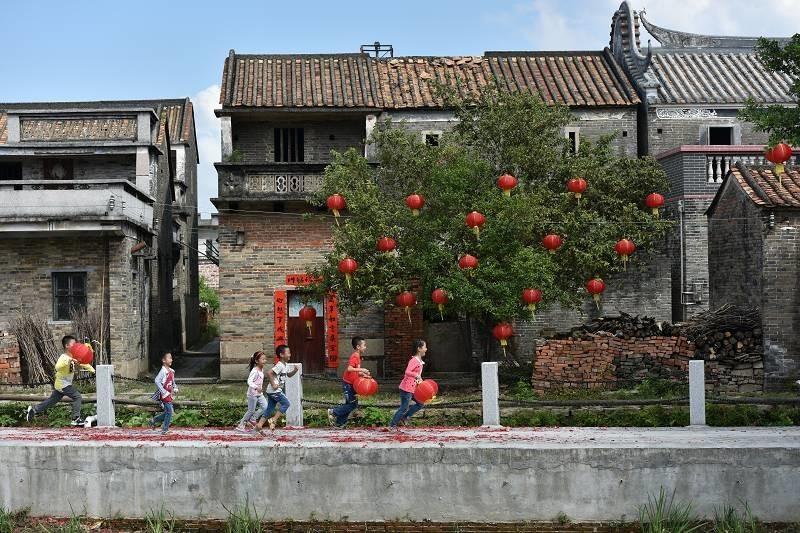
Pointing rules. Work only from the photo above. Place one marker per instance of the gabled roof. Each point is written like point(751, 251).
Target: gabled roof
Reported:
point(178, 113)
point(763, 187)
point(578, 79)
point(693, 69)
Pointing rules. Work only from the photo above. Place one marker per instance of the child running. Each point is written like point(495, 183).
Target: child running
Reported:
point(412, 378)
point(255, 392)
point(339, 415)
point(165, 393)
point(65, 369)
point(277, 381)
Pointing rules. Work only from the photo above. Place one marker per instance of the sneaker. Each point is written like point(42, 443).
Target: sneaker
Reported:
point(77, 421)
point(30, 414)
point(271, 423)
point(163, 431)
point(241, 428)
point(331, 418)
point(151, 424)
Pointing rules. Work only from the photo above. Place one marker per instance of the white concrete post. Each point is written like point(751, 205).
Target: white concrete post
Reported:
point(490, 389)
point(697, 393)
point(294, 391)
point(105, 396)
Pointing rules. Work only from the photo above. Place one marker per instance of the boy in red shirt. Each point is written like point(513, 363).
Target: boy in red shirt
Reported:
point(338, 416)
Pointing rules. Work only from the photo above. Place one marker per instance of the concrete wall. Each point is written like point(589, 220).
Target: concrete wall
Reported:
point(600, 474)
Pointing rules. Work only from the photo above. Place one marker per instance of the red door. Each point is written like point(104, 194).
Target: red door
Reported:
point(308, 349)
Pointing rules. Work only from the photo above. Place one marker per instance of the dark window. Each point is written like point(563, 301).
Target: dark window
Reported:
point(720, 135)
point(624, 133)
point(11, 171)
point(289, 145)
point(432, 139)
point(173, 156)
point(659, 131)
point(573, 141)
point(69, 292)
point(58, 169)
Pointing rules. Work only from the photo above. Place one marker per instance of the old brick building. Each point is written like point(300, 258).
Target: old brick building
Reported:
point(754, 254)
point(283, 114)
point(691, 89)
point(98, 204)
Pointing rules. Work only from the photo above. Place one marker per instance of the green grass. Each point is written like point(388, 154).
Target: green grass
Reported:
point(728, 519)
point(244, 519)
point(161, 521)
point(664, 515)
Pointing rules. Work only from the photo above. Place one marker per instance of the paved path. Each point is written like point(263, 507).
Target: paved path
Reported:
point(449, 437)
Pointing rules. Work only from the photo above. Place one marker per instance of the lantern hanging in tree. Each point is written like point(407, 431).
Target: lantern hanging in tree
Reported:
point(532, 297)
point(507, 182)
point(552, 242)
point(779, 154)
point(625, 249)
point(406, 299)
point(468, 263)
point(308, 314)
point(654, 201)
point(386, 244)
point(577, 186)
point(426, 391)
point(475, 220)
point(502, 332)
point(348, 266)
point(595, 287)
point(415, 202)
point(336, 203)
point(365, 386)
point(440, 298)
point(82, 352)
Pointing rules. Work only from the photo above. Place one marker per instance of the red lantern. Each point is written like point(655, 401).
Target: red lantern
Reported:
point(532, 297)
point(415, 203)
point(475, 220)
point(426, 391)
point(83, 353)
point(552, 242)
point(779, 154)
point(348, 266)
point(440, 298)
point(576, 186)
point(336, 203)
point(596, 286)
point(654, 201)
point(386, 244)
point(365, 386)
point(624, 249)
point(502, 332)
point(308, 314)
point(507, 182)
point(468, 262)
point(406, 299)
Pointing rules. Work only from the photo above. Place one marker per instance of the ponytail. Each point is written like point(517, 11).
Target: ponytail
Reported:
point(254, 359)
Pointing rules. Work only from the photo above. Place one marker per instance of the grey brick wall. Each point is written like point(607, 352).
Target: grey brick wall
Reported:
point(91, 168)
point(675, 132)
point(255, 140)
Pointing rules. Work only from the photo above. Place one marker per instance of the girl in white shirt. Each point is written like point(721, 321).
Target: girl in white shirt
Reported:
point(255, 392)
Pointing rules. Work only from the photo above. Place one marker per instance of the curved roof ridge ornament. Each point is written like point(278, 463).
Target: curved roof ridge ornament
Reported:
point(671, 39)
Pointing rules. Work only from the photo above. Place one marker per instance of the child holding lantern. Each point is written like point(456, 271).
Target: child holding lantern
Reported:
point(411, 378)
point(66, 367)
point(338, 416)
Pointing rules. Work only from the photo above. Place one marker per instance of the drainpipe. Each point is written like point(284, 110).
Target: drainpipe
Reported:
point(683, 261)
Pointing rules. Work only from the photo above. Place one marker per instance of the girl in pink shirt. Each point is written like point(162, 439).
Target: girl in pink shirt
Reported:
point(412, 377)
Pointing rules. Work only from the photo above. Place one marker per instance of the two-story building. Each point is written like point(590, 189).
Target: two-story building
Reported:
point(691, 89)
point(98, 210)
point(282, 115)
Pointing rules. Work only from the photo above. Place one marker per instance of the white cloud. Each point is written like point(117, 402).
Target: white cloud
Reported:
point(208, 146)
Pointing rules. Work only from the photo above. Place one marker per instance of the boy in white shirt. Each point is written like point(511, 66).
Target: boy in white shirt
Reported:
point(277, 381)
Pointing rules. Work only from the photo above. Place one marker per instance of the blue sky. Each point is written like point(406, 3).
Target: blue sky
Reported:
point(93, 50)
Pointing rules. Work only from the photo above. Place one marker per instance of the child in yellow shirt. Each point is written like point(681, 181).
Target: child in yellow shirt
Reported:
point(65, 369)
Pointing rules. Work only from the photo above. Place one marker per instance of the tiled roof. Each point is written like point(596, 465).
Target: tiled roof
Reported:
point(717, 77)
point(178, 112)
point(765, 188)
point(360, 81)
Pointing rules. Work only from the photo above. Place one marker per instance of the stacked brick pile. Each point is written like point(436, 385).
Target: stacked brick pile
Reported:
point(10, 370)
point(604, 360)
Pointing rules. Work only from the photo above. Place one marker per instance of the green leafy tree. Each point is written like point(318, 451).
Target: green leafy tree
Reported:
point(208, 295)
point(495, 133)
point(781, 122)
